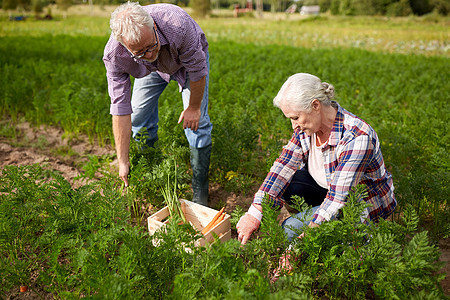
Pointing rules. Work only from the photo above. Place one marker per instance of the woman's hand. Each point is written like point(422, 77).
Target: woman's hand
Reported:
point(249, 222)
point(310, 225)
point(246, 226)
point(284, 266)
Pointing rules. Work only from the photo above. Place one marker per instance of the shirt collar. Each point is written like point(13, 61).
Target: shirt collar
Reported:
point(161, 36)
point(338, 126)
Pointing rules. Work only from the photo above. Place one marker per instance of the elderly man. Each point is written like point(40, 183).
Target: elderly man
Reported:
point(155, 44)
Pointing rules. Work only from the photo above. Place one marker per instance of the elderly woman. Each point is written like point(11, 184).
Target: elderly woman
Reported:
point(331, 151)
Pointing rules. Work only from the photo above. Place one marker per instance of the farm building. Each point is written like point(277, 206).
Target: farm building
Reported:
point(310, 10)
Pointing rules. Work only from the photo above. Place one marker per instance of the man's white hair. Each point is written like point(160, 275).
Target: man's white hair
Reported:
point(300, 90)
point(127, 21)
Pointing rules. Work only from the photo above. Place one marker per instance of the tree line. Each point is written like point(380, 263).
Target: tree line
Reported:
point(203, 7)
point(382, 7)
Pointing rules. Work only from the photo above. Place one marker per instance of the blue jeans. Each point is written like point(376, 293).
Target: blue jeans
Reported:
point(298, 222)
point(144, 101)
point(303, 185)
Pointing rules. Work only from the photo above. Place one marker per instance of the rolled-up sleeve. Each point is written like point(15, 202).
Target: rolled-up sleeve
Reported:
point(192, 53)
point(281, 172)
point(119, 90)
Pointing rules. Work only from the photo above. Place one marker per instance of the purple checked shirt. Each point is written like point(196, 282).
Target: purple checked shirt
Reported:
point(352, 156)
point(183, 50)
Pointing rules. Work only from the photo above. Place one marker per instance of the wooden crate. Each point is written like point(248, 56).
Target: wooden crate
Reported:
point(199, 216)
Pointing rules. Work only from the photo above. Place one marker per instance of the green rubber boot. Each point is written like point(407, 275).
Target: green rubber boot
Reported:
point(200, 168)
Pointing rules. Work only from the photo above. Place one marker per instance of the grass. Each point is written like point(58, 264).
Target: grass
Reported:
point(426, 35)
point(373, 34)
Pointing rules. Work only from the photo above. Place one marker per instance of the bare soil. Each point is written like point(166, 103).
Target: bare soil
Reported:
point(46, 146)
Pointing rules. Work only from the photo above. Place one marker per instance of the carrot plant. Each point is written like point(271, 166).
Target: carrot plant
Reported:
point(171, 199)
point(82, 242)
point(340, 259)
point(152, 170)
point(44, 221)
point(61, 82)
point(354, 260)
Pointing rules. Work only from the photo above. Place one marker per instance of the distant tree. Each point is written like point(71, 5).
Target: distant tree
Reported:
point(23, 4)
point(346, 7)
point(14, 4)
point(273, 5)
point(364, 7)
point(37, 7)
point(381, 6)
point(64, 6)
point(420, 7)
point(334, 7)
point(441, 6)
point(201, 8)
point(400, 8)
point(9, 4)
point(371, 7)
point(324, 5)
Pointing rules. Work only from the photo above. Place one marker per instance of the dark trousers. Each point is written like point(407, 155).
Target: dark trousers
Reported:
point(303, 185)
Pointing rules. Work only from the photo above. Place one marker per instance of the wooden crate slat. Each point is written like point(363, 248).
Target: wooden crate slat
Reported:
point(161, 214)
point(199, 216)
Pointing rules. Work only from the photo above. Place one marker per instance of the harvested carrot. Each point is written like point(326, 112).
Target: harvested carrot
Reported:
point(222, 216)
point(210, 224)
point(219, 220)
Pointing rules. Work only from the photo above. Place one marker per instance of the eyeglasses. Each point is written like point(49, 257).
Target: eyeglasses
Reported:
point(149, 49)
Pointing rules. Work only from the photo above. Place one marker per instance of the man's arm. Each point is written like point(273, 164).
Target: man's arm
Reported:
point(122, 136)
point(192, 113)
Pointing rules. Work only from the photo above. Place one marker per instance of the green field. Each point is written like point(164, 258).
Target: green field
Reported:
point(393, 73)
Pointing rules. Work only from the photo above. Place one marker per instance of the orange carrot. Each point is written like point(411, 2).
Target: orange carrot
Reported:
point(219, 220)
point(210, 224)
point(222, 216)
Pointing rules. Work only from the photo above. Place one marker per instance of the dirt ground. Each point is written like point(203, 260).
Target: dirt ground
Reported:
point(45, 146)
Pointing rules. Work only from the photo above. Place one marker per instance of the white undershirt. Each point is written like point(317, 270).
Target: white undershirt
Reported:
point(316, 163)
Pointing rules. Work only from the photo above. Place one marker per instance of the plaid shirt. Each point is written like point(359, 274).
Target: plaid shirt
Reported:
point(183, 49)
point(352, 156)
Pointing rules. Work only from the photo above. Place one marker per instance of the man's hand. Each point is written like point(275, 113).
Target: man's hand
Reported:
point(191, 118)
point(192, 113)
point(124, 170)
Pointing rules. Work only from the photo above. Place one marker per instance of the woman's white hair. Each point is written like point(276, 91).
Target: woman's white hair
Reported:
point(300, 90)
point(127, 20)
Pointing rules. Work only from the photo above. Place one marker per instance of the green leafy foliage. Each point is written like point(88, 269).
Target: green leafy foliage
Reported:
point(44, 221)
point(350, 259)
point(171, 199)
point(81, 242)
point(153, 168)
point(61, 82)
